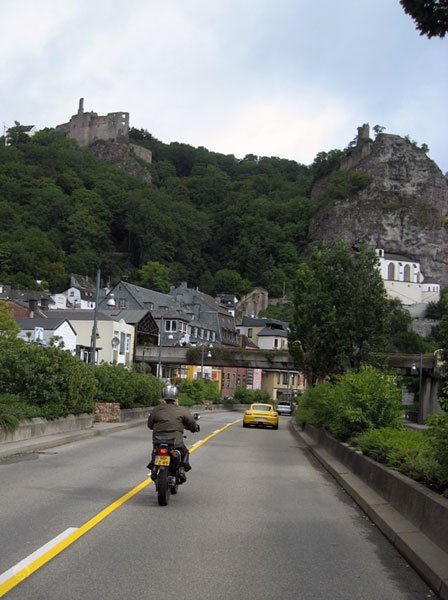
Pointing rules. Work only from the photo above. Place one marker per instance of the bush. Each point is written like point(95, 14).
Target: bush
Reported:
point(129, 388)
point(246, 396)
point(409, 452)
point(438, 442)
point(48, 378)
point(357, 402)
point(198, 391)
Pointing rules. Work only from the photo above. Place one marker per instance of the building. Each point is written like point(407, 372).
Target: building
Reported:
point(81, 294)
point(114, 338)
point(57, 331)
point(267, 334)
point(403, 279)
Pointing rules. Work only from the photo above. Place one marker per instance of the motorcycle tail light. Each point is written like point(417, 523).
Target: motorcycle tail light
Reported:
point(162, 451)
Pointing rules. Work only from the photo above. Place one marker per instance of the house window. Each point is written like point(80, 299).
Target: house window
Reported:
point(122, 342)
point(275, 343)
point(213, 336)
point(170, 325)
point(285, 378)
point(278, 378)
point(249, 332)
point(122, 303)
point(128, 342)
point(228, 379)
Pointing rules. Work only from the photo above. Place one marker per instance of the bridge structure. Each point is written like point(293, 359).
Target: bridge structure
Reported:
point(424, 367)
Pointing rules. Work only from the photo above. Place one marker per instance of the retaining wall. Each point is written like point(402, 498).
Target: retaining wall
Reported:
point(425, 509)
point(38, 427)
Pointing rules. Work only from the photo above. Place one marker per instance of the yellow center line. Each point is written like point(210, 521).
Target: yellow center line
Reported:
point(58, 548)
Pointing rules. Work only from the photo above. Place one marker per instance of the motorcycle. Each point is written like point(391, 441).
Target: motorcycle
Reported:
point(166, 471)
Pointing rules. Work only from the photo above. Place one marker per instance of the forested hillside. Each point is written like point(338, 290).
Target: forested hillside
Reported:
point(212, 220)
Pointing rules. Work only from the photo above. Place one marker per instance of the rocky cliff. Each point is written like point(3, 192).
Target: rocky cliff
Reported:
point(123, 156)
point(402, 208)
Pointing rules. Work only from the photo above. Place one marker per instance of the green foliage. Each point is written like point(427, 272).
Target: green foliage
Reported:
point(246, 396)
point(341, 312)
point(198, 391)
point(13, 410)
point(438, 442)
point(129, 388)
point(8, 327)
point(357, 402)
point(155, 276)
point(421, 455)
point(49, 378)
point(430, 16)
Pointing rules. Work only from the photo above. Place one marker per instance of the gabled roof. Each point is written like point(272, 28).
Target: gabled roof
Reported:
point(78, 315)
point(264, 322)
point(269, 331)
point(144, 295)
point(29, 324)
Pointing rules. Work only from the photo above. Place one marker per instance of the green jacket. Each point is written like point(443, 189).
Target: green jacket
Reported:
point(170, 420)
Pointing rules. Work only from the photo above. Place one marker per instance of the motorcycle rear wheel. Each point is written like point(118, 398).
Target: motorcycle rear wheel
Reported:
point(163, 490)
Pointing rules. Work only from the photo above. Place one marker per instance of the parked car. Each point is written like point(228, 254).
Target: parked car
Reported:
point(284, 407)
point(261, 415)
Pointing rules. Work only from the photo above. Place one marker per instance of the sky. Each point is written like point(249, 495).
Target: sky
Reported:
point(285, 78)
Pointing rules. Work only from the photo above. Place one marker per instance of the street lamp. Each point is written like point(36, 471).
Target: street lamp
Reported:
point(209, 355)
point(170, 337)
point(416, 369)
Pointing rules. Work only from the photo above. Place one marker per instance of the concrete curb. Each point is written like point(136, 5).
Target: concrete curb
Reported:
point(427, 558)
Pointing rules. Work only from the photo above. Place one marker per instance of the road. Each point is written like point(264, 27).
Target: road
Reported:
point(258, 518)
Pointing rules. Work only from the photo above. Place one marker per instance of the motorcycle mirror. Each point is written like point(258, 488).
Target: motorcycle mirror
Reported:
point(197, 416)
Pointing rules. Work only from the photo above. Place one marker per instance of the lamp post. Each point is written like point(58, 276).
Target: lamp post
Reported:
point(95, 318)
point(209, 355)
point(414, 369)
point(170, 337)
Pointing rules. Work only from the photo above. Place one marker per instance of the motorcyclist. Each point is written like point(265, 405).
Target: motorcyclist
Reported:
point(169, 420)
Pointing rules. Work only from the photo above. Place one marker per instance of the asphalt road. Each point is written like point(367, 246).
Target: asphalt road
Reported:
point(258, 518)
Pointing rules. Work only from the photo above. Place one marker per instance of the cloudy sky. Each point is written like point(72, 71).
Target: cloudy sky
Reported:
point(287, 78)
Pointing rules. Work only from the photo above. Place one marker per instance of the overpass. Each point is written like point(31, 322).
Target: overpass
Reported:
point(422, 366)
point(221, 357)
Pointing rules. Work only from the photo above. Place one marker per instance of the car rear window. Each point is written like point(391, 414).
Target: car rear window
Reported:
point(261, 407)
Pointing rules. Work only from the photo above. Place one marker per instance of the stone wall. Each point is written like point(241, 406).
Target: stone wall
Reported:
point(106, 412)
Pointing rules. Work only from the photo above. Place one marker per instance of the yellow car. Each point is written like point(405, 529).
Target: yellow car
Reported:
point(261, 415)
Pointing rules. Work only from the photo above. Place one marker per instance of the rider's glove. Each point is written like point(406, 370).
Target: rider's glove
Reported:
point(198, 428)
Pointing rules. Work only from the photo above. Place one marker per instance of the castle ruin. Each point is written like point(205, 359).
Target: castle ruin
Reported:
point(87, 128)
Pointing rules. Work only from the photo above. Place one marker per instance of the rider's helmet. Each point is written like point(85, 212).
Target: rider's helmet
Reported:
point(170, 393)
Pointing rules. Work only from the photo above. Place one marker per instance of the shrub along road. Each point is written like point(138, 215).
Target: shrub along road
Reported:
point(257, 517)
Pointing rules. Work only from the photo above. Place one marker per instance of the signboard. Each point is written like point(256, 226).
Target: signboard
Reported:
point(407, 398)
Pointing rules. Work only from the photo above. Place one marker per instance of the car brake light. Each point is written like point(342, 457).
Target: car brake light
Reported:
point(162, 451)
point(273, 414)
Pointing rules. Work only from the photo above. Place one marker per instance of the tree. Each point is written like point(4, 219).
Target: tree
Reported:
point(431, 16)
point(155, 276)
point(341, 312)
point(8, 327)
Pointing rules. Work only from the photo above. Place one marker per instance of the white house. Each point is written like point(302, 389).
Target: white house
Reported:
point(43, 330)
point(403, 279)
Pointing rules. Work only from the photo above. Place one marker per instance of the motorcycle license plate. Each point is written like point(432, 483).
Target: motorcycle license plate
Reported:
point(162, 461)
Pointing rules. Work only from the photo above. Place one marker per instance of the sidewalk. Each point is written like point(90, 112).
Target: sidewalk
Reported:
point(37, 444)
point(428, 559)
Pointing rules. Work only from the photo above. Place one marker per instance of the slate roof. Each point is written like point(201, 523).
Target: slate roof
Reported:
point(28, 323)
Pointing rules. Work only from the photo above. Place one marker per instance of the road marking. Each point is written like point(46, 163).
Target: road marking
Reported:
point(35, 555)
point(36, 560)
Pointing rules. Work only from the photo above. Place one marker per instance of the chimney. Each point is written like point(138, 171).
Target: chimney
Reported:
point(81, 106)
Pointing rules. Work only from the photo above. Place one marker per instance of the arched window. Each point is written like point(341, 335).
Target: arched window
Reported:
point(391, 271)
point(407, 273)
